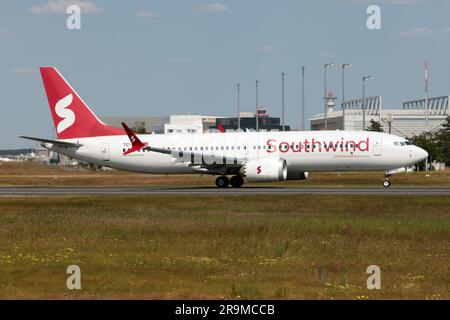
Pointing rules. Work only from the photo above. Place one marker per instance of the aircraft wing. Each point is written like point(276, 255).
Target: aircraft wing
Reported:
point(200, 161)
point(57, 142)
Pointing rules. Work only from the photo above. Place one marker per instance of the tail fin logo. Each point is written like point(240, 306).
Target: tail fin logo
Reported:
point(67, 115)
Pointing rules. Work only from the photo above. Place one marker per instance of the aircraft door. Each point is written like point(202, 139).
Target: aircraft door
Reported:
point(105, 152)
point(377, 143)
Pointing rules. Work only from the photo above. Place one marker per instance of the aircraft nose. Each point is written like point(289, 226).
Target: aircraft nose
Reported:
point(420, 154)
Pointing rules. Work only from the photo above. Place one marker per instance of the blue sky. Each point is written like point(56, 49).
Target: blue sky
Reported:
point(154, 57)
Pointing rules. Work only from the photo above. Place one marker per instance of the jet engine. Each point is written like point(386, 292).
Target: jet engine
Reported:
point(271, 169)
point(297, 175)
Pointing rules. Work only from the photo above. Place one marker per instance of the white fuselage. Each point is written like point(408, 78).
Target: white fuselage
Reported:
point(302, 150)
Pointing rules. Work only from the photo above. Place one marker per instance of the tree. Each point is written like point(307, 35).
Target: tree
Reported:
point(139, 127)
point(436, 144)
point(428, 142)
point(375, 126)
point(443, 141)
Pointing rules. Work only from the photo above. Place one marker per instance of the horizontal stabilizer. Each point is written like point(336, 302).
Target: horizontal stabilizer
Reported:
point(57, 142)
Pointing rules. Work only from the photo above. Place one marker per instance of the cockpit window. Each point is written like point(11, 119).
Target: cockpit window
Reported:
point(402, 143)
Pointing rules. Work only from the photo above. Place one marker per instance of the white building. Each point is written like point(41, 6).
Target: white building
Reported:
point(189, 124)
point(170, 124)
point(404, 122)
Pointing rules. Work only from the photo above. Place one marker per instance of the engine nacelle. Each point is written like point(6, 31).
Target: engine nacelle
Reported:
point(271, 169)
point(297, 175)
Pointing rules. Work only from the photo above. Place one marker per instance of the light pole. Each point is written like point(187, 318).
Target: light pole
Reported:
point(364, 78)
point(326, 66)
point(426, 96)
point(238, 106)
point(303, 99)
point(282, 101)
point(345, 65)
point(257, 115)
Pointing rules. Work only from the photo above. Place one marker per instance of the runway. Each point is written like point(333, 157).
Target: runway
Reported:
point(136, 191)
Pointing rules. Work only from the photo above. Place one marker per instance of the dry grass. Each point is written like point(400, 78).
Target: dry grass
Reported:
point(34, 174)
point(293, 247)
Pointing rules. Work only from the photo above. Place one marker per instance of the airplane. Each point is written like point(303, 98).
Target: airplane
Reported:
point(252, 156)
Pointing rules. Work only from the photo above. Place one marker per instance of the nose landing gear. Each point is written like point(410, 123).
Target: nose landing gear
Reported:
point(386, 182)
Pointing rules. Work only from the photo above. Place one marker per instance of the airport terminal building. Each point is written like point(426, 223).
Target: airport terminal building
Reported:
point(199, 123)
point(405, 122)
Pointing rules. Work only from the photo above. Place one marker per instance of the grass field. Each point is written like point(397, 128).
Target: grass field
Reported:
point(35, 174)
point(282, 247)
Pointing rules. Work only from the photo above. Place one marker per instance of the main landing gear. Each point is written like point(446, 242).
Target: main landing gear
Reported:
point(223, 181)
point(236, 181)
point(386, 182)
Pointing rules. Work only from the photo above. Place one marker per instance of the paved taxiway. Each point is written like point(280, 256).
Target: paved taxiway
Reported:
point(73, 191)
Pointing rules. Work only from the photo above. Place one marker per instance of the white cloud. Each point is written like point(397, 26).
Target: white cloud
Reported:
point(146, 14)
point(60, 6)
point(23, 71)
point(214, 7)
point(418, 32)
point(181, 60)
point(265, 48)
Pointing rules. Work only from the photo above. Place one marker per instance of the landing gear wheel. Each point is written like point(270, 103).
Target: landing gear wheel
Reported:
point(386, 183)
point(236, 181)
point(222, 182)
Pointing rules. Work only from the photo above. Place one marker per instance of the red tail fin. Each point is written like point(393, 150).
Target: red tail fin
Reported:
point(71, 116)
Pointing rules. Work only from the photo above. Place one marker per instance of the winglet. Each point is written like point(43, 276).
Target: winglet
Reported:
point(136, 143)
